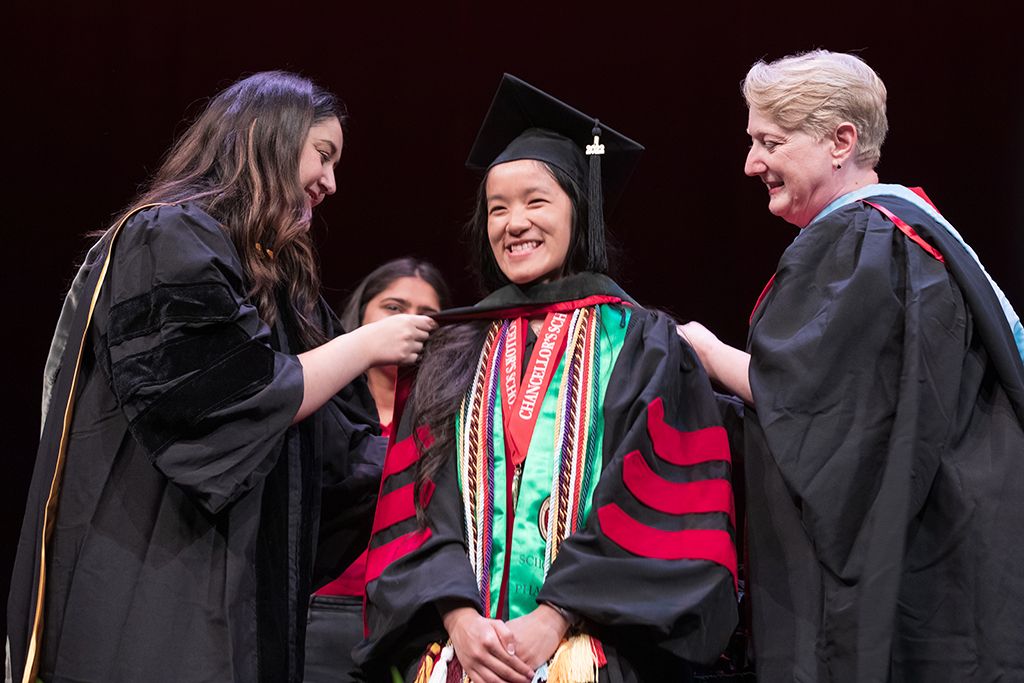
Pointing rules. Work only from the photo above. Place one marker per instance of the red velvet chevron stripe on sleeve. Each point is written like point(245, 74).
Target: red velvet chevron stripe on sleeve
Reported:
point(398, 506)
point(685, 448)
point(675, 498)
point(688, 544)
point(379, 558)
point(710, 495)
point(404, 454)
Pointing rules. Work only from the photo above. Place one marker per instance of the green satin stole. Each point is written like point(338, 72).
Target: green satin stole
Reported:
point(526, 565)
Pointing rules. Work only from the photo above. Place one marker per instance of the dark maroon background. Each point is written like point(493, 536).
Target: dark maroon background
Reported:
point(94, 92)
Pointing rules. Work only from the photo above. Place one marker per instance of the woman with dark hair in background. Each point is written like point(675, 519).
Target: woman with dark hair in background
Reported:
point(404, 285)
point(195, 382)
point(557, 497)
point(883, 454)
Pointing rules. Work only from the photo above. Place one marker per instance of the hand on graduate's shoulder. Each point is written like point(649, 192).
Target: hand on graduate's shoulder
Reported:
point(724, 364)
point(395, 340)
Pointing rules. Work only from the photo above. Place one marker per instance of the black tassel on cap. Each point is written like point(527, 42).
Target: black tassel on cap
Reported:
point(598, 255)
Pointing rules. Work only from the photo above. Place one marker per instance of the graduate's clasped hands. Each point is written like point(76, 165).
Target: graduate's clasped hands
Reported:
point(493, 651)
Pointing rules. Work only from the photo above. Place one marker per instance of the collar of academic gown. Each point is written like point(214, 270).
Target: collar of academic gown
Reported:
point(564, 294)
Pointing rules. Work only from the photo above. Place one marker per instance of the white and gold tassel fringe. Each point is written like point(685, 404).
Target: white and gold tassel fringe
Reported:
point(574, 661)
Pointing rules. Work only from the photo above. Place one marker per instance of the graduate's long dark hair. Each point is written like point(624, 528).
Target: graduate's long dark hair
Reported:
point(239, 162)
point(451, 354)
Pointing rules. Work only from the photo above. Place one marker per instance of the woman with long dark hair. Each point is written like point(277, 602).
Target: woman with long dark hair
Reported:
point(195, 382)
point(557, 498)
point(403, 285)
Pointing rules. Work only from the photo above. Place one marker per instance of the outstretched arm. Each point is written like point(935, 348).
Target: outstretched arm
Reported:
point(724, 364)
point(397, 340)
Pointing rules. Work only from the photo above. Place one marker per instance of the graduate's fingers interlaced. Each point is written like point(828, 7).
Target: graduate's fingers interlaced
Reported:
point(486, 649)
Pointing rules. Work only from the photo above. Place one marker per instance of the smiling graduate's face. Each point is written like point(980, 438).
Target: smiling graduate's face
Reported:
point(529, 221)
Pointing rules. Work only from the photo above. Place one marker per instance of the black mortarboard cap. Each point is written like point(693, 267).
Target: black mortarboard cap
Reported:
point(526, 123)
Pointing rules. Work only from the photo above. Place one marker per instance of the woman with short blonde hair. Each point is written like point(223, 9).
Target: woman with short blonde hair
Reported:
point(816, 91)
point(886, 389)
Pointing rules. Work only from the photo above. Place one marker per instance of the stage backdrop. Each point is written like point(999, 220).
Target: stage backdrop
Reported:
point(95, 92)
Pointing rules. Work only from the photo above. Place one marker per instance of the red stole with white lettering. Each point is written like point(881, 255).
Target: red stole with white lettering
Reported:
point(521, 405)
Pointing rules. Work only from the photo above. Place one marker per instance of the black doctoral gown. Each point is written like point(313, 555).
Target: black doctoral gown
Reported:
point(188, 504)
point(885, 460)
point(655, 608)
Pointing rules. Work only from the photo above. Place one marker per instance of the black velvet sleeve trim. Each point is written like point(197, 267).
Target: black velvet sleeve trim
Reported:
point(144, 314)
point(246, 370)
point(174, 359)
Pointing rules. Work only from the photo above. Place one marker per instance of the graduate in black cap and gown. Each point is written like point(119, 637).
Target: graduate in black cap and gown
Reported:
point(556, 500)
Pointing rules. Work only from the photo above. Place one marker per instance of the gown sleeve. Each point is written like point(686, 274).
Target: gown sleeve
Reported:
point(188, 357)
point(856, 354)
point(424, 565)
point(653, 571)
